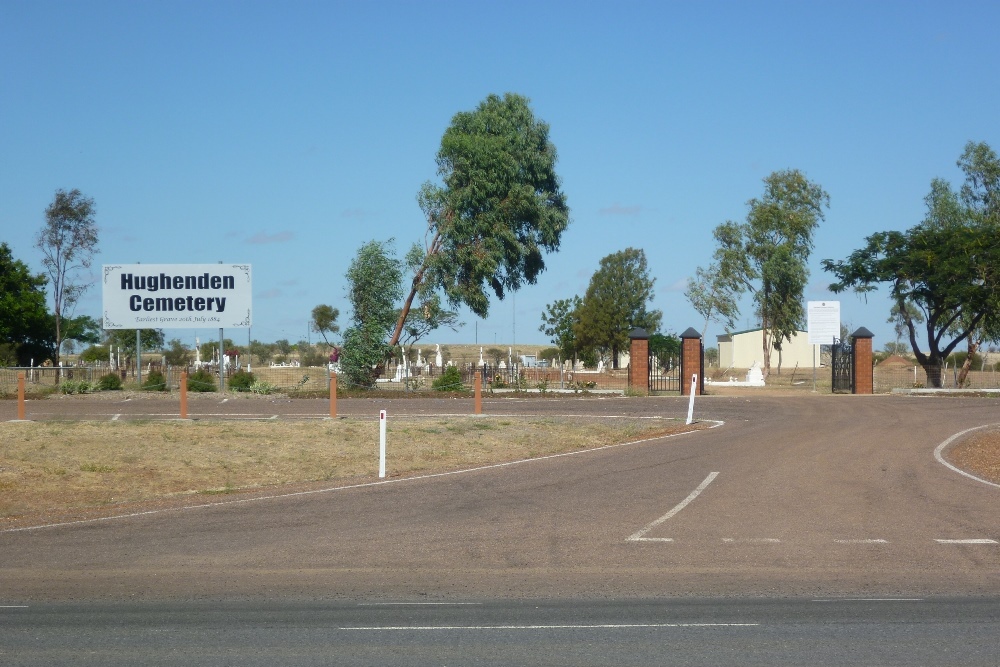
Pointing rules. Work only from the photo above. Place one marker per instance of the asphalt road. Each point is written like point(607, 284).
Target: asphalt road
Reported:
point(795, 499)
point(571, 633)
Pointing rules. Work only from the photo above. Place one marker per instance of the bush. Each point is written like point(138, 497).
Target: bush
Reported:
point(155, 382)
point(74, 387)
point(201, 380)
point(450, 380)
point(241, 381)
point(264, 388)
point(109, 382)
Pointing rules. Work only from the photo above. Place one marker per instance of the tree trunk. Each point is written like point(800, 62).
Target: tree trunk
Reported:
point(934, 372)
point(964, 373)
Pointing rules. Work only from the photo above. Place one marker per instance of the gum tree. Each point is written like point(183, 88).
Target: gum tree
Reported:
point(768, 254)
point(68, 241)
point(497, 209)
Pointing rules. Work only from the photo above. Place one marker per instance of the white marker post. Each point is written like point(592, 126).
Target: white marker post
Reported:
point(694, 385)
point(381, 444)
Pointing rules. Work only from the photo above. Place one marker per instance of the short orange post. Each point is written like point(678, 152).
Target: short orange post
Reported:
point(333, 395)
point(184, 395)
point(20, 396)
point(479, 394)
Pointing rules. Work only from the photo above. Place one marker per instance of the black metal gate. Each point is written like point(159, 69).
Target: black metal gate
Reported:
point(842, 365)
point(664, 373)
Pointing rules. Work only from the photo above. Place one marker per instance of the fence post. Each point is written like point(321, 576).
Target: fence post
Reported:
point(333, 395)
point(20, 396)
point(478, 384)
point(184, 395)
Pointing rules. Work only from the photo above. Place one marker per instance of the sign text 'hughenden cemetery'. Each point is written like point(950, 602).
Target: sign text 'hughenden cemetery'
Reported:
point(177, 296)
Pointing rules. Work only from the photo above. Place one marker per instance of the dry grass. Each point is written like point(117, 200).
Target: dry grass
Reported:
point(978, 455)
point(57, 467)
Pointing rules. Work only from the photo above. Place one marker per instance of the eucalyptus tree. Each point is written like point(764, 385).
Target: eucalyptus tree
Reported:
point(68, 242)
point(324, 321)
point(713, 294)
point(768, 254)
point(497, 209)
point(374, 279)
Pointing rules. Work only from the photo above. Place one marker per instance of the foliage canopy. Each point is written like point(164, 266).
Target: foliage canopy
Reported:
point(943, 273)
point(498, 208)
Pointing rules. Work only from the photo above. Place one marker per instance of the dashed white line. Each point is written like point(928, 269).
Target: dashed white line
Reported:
point(607, 626)
point(969, 541)
point(638, 535)
point(874, 540)
point(751, 540)
point(651, 539)
point(420, 604)
point(873, 600)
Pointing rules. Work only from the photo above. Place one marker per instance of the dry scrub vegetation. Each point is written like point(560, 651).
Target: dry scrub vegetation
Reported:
point(978, 455)
point(50, 469)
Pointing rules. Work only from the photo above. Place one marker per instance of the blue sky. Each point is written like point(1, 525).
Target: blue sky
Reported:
point(285, 135)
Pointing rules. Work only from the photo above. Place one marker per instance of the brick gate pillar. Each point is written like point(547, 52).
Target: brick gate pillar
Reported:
point(638, 364)
point(863, 381)
point(691, 362)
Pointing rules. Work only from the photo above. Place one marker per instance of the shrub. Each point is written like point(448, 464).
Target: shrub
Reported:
point(201, 380)
point(75, 387)
point(109, 382)
point(450, 380)
point(259, 387)
point(241, 381)
point(155, 382)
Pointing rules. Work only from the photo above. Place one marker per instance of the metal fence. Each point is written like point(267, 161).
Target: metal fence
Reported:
point(285, 379)
point(914, 377)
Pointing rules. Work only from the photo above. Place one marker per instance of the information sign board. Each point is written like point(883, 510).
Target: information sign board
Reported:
point(823, 322)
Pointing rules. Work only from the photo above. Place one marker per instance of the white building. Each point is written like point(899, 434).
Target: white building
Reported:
point(743, 349)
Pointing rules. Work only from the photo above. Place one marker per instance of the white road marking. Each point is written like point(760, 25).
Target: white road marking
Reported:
point(972, 541)
point(363, 485)
point(872, 600)
point(13, 606)
point(420, 604)
point(608, 626)
point(638, 535)
point(876, 540)
point(944, 445)
point(751, 540)
point(651, 539)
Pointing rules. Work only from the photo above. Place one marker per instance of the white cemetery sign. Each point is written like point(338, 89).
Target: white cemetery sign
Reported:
point(177, 296)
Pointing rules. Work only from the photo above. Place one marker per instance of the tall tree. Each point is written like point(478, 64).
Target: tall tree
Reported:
point(498, 208)
point(947, 266)
point(558, 323)
point(324, 321)
point(26, 331)
point(615, 303)
point(712, 294)
point(768, 254)
point(68, 242)
point(374, 279)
